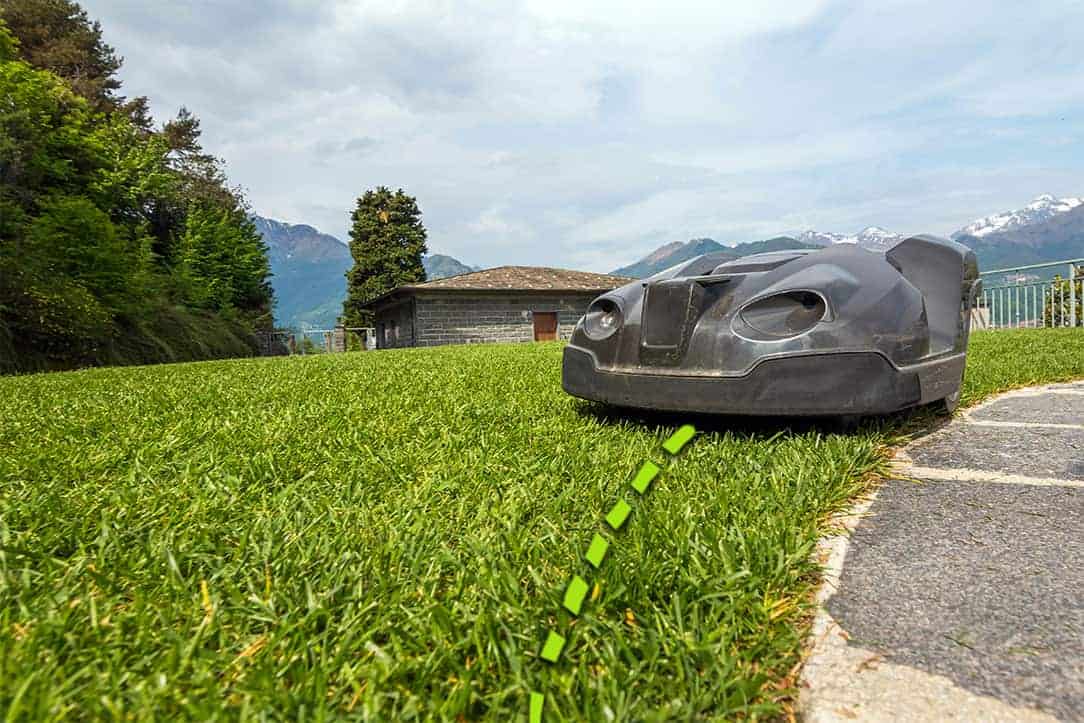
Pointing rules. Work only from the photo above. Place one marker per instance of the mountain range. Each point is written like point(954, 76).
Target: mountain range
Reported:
point(308, 267)
point(1046, 229)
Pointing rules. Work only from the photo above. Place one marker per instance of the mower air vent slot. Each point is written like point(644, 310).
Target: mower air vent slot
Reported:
point(667, 306)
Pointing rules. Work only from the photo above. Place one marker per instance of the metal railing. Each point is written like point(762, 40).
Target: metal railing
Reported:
point(335, 339)
point(1034, 296)
point(316, 341)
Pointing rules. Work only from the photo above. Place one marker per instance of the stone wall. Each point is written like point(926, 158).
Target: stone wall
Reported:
point(463, 319)
point(395, 326)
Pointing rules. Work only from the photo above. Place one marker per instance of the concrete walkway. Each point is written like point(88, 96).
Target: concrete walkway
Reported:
point(957, 592)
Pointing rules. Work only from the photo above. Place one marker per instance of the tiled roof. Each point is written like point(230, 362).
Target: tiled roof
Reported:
point(527, 278)
point(515, 278)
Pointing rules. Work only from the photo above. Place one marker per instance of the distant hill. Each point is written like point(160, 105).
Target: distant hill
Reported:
point(666, 256)
point(308, 272)
point(439, 266)
point(778, 243)
point(674, 253)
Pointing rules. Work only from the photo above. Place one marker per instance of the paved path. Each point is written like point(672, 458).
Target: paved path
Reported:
point(959, 592)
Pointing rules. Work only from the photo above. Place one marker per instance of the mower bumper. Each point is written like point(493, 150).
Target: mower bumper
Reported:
point(822, 384)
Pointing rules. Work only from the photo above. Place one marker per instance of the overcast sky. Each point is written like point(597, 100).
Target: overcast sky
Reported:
point(542, 132)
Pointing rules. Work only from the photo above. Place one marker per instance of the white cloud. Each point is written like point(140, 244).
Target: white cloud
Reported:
point(493, 222)
point(584, 134)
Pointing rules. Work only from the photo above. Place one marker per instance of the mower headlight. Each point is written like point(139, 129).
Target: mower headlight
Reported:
point(602, 319)
point(786, 314)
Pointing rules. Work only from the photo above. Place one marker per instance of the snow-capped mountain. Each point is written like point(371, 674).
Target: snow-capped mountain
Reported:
point(1055, 233)
point(1043, 208)
point(873, 237)
point(1047, 229)
point(1009, 227)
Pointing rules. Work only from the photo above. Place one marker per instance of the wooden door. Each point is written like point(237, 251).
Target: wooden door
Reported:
point(545, 325)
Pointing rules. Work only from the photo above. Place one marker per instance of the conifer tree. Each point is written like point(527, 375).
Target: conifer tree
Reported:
point(387, 241)
point(58, 36)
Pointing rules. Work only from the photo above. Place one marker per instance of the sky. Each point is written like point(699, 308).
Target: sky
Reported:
point(544, 132)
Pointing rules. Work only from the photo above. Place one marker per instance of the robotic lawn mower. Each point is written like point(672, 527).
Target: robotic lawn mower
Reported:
point(836, 331)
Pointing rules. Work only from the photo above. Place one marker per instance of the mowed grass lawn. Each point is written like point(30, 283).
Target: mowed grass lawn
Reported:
point(387, 536)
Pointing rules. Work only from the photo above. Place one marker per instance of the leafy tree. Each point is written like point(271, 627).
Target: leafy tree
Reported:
point(387, 241)
point(110, 228)
point(134, 180)
point(57, 35)
point(223, 261)
point(9, 46)
point(46, 149)
point(44, 135)
point(73, 238)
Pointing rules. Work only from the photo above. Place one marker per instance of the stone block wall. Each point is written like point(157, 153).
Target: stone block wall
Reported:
point(462, 319)
point(395, 326)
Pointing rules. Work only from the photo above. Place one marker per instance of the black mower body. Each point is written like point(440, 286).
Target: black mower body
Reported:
point(836, 331)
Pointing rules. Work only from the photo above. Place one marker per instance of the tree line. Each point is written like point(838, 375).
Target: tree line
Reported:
point(121, 240)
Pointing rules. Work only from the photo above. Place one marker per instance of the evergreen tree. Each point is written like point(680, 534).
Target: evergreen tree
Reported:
point(387, 241)
point(57, 35)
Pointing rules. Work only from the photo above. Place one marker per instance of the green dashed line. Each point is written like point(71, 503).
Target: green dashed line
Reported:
point(536, 707)
point(596, 552)
point(574, 595)
point(643, 478)
point(618, 514)
point(679, 439)
point(553, 647)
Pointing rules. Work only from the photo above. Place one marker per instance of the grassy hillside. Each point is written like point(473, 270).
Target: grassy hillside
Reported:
point(386, 536)
point(172, 334)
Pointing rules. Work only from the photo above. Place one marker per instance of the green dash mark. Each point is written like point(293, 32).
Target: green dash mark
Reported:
point(618, 514)
point(536, 707)
point(574, 595)
point(679, 438)
point(644, 476)
point(597, 550)
point(551, 650)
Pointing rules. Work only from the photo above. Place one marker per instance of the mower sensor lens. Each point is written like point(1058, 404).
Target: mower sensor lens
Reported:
point(603, 318)
point(786, 314)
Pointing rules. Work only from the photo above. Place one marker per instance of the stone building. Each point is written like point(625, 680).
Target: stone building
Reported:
point(508, 303)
